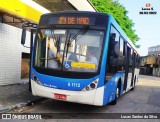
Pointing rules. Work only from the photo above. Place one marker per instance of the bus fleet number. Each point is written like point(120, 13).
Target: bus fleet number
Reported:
point(74, 84)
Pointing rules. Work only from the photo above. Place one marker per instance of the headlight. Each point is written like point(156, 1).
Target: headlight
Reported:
point(91, 86)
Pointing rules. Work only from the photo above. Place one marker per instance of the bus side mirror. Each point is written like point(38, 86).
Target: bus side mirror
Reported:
point(23, 36)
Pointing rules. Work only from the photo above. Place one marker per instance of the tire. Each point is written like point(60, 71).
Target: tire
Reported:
point(117, 94)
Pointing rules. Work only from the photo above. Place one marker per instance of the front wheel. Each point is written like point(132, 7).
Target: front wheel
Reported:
point(117, 94)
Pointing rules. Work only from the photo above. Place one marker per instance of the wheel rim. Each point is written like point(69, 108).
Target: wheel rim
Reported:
point(117, 92)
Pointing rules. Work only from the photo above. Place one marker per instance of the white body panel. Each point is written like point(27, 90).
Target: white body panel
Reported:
point(136, 74)
point(92, 97)
point(129, 81)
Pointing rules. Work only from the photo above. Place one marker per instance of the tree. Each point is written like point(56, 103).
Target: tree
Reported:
point(120, 14)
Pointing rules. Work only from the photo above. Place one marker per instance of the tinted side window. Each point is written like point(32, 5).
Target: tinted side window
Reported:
point(121, 46)
point(136, 60)
point(113, 51)
point(131, 58)
point(114, 39)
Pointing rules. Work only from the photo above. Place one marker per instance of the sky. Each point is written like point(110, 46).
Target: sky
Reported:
point(147, 26)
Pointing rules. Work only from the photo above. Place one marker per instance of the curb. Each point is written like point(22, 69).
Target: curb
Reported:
point(20, 105)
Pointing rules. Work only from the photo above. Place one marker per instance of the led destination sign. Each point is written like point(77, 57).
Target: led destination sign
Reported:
point(74, 20)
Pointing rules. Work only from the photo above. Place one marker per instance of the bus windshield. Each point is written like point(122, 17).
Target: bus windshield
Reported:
point(75, 50)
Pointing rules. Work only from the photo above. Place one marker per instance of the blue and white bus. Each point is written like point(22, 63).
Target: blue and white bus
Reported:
point(82, 57)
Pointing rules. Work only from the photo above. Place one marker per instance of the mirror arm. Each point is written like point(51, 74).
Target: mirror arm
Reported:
point(24, 26)
point(25, 46)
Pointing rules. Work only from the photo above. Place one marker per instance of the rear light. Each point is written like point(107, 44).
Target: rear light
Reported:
point(91, 86)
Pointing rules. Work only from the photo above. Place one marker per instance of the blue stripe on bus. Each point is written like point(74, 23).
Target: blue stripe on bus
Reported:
point(63, 83)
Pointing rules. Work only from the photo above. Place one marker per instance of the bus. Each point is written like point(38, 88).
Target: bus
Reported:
point(82, 57)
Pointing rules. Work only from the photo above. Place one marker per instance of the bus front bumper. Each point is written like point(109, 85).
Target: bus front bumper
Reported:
point(92, 97)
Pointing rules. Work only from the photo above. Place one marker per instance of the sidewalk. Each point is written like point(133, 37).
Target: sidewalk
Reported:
point(15, 96)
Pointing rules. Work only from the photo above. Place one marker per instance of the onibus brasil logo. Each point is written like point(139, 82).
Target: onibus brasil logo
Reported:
point(147, 10)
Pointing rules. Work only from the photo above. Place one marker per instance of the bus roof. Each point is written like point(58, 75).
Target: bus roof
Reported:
point(75, 11)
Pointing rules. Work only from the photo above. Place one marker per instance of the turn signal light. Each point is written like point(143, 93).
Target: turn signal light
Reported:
point(36, 79)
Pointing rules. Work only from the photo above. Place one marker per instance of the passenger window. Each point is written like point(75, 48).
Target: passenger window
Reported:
point(113, 50)
point(139, 60)
point(129, 50)
point(121, 57)
point(131, 58)
point(116, 54)
point(136, 60)
point(114, 39)
point(121, 46)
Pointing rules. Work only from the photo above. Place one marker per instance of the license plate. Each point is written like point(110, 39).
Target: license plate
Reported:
point(60, 96)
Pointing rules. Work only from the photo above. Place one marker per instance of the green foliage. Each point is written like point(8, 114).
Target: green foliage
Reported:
point(120, 14)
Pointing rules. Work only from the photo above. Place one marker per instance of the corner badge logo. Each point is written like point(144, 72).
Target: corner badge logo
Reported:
point(6, 116)
point(148, 4)
point(148, 10)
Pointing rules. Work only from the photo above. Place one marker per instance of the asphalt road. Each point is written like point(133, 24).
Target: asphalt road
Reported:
point(144, 99)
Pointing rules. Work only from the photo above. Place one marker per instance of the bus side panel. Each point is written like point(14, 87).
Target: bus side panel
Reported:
point(106, 93)
point(136, 74)
point(110, 87)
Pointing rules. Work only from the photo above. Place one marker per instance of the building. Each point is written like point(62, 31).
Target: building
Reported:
point(13, 13)
point(150, 64)
point(155, 50)
point(158, 63)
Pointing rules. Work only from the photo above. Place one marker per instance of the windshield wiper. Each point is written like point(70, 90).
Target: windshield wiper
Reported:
point(69, 41)
point(82, 32)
